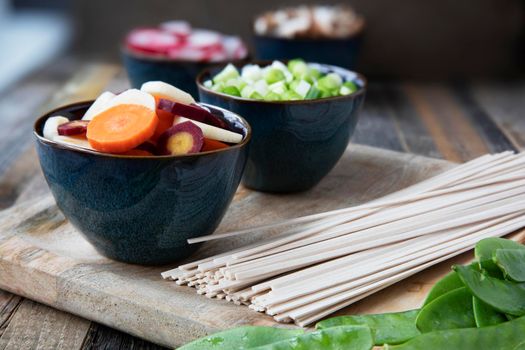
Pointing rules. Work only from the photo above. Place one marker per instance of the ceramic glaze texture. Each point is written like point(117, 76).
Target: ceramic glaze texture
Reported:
point(141, 209)
point(295, 144)
point(338, 52)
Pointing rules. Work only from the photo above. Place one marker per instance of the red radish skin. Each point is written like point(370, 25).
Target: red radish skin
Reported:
point(191, 112)
point(75, 127)
point(152, 40)
point(181, 139)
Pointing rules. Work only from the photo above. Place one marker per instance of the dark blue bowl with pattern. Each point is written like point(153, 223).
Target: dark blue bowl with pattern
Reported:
point(342, 52)
point(142, 68)
point(142, 209)
point(295, 143)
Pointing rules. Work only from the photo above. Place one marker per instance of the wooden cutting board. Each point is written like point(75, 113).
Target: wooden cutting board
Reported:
point(44, 258)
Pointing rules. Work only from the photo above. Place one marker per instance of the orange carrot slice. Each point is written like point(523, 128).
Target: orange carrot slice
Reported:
point(121, 128)
point(165, 121)
point(212, 145)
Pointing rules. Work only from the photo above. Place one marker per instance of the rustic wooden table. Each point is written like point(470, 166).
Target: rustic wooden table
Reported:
point(456, 122)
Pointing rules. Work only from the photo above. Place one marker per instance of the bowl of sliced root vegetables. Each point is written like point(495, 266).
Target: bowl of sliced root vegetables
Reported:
point(140, 172)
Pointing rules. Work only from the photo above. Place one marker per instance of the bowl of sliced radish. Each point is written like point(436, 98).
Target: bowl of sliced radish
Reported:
point(302, 115)
point(175, 52)
point(141, 172)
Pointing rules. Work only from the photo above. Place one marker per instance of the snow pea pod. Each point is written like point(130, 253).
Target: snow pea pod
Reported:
point(447, 284)
point(520, 346)
point(391, 328)
point(485, 315)
point(449, 311)
point(336, 338)
point(503, 336)
point(511, 262)
point(504, 296)
point(247, 337)
point(485, 250)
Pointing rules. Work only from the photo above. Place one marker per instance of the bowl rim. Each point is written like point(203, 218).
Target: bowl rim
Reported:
point(164, 59)
point(58, 145)
point(206, 71)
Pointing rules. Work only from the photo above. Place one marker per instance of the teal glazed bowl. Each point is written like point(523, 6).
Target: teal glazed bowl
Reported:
point(142, 209)
point(295, 143)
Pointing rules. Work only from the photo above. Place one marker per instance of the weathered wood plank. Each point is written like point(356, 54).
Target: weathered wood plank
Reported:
point(505, 103)
point(455, 137)
point(481, 120)
point(85, 84)
point(8, 305)
point(410, 128)
point(35, 326)
point(104, 338)
point(49, 261)
point(376, 126)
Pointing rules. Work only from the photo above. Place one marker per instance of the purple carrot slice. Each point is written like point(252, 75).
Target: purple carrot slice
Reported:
point(74, 127)
point(193, 112)
point(180, 139)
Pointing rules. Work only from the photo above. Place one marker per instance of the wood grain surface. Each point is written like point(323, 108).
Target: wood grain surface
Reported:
point(447, 121)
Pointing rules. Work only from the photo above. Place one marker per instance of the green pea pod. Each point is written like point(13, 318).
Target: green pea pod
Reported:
point(449, 311)
point(504, 296)
point(520, 346)
point(447, 284)
point(485, 250)
point(503, 336)
point(391, 328)
point(247, 337)
point(485, 315)
point(511, 262)
point(336, 338)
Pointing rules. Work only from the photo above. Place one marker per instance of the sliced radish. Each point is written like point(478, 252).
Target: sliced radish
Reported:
point(188, 54)
point(98, 105)
point(179, 28)
point(218, 56)
point(74, 127)
point(160, 89)
point(234, 47)
point(152, 40)
point(205, 39)
point(50, 130)
point(212, 132)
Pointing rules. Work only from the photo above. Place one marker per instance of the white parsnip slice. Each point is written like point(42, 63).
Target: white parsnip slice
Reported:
point(212, 132)
point(161, 89)
point(99, 105)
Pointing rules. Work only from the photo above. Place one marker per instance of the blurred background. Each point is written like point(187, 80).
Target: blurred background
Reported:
point(429, 40)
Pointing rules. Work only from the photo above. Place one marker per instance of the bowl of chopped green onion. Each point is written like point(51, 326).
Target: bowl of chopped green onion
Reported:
point(302, 114)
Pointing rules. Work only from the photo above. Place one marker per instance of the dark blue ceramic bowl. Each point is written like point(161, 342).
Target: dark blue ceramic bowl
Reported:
point(337, 52)
point(142, 68)
point(295, 143)
point(142, 209)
